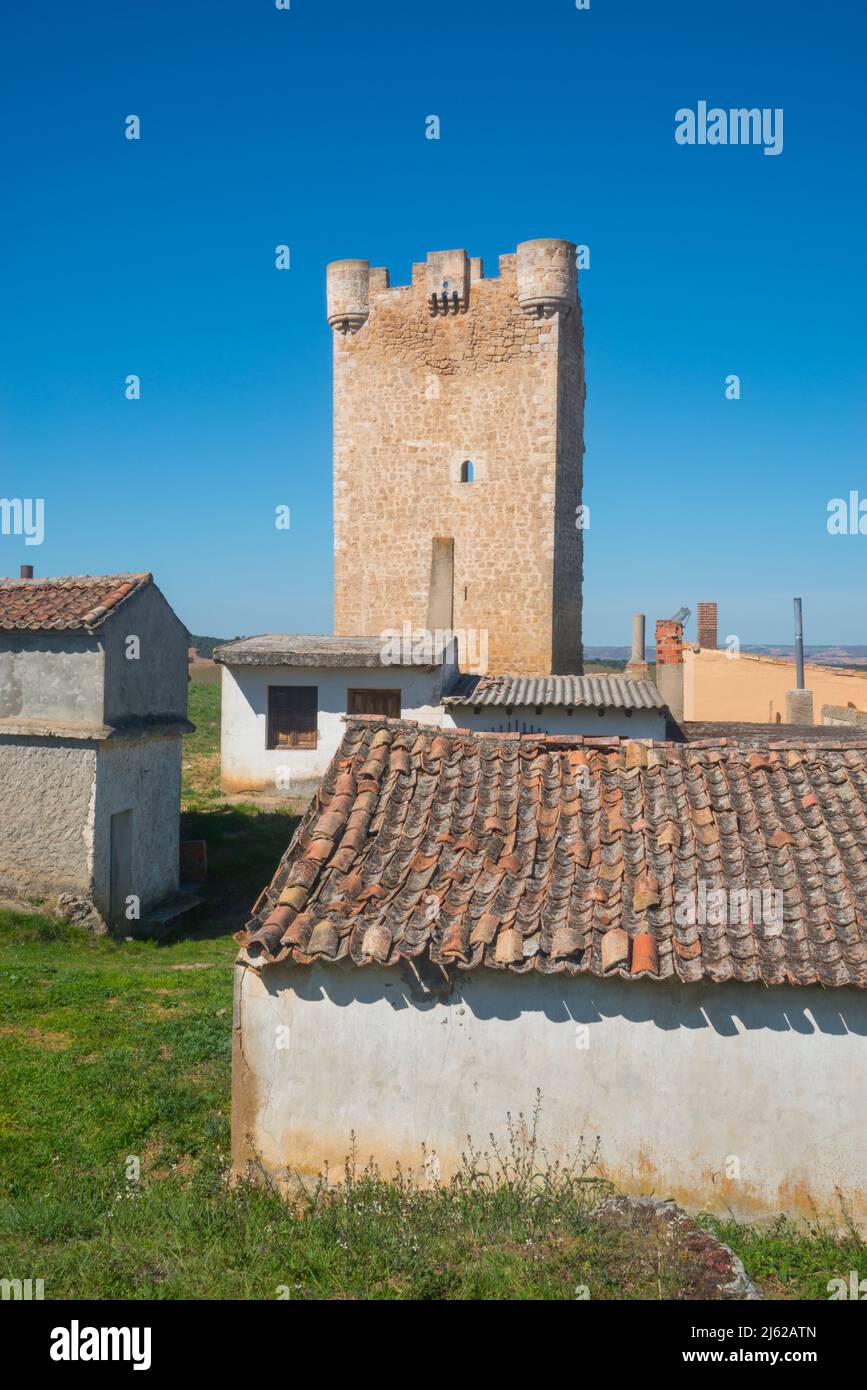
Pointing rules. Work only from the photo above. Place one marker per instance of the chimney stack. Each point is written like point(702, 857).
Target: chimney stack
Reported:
point(669, 664)
point(636, 667)
point(707, 620)
point(26, 571)
point(799, 646)
point(799, 702)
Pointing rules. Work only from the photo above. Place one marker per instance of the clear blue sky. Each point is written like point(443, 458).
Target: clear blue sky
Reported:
point(307, 126)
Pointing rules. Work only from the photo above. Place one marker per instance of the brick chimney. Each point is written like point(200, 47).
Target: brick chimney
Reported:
point(707, 620)
point(26, 571)
point(669, 664)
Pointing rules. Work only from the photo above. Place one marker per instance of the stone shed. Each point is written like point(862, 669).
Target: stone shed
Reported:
point(93, 704)
point(667, 939)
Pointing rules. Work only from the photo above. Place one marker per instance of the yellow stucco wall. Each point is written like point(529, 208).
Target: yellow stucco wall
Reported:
point(753, 688)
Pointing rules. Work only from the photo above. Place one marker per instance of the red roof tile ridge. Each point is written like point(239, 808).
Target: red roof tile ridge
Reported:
point(728, 745)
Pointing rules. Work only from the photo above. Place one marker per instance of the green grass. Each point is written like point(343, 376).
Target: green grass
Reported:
point(244, 842)
point(112, 1050)
point(200, 765)
point(793, 1259)
point(116, 1054)
point(108, 1049)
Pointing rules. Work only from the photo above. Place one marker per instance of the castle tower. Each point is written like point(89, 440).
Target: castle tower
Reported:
point(458, 444)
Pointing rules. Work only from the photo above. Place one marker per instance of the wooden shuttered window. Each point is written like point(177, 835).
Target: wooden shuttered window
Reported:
point(386, 702)
point(292, 713)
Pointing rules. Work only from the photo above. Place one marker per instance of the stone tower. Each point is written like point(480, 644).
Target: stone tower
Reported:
point(458, 444)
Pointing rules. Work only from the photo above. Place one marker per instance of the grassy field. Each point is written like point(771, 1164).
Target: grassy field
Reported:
point(114, 1138)
point(244, 842)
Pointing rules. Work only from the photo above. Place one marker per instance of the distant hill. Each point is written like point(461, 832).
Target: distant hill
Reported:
point(603, 663)
point(205, 645)
point(597, 654)
point(822, 656)
point(614, 657)
point(849, 655)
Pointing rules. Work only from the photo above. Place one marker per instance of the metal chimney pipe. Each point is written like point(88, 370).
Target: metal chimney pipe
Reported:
point(26, 571)
point(799, 646)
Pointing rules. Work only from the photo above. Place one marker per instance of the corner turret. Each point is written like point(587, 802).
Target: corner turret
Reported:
point(348, 295)
point(547, 277)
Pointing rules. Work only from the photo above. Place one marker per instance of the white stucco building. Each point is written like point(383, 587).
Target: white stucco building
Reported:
point(667, 939)
point(93, 704)
point(286, 699)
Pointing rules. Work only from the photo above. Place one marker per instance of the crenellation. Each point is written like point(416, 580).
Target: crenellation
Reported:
point(447, 282)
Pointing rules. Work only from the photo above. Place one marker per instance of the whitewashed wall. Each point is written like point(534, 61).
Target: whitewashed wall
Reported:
point(722, 1096)
point(247, 765)
point(646, 723)
point(52, 676)
point(142, 776)
point(47, 794)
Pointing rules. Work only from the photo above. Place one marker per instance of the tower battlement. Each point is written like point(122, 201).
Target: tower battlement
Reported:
point(458, 444)
point(543, 272)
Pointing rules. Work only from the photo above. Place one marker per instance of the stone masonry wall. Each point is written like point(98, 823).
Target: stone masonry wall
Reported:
point(568, 539)
point(415, 395)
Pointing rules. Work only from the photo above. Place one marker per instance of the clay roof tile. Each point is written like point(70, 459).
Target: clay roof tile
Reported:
point(702, 863)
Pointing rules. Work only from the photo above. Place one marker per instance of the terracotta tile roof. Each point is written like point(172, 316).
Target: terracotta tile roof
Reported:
point(79, 601)
point(608, 692)
point(539, 853)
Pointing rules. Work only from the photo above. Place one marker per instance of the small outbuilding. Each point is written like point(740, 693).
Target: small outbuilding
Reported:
point(667, 939)
point(596, 705)
point(93, 704)
point(285, 698)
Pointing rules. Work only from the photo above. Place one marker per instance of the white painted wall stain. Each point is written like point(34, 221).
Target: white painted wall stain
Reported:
point(676, 1080)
